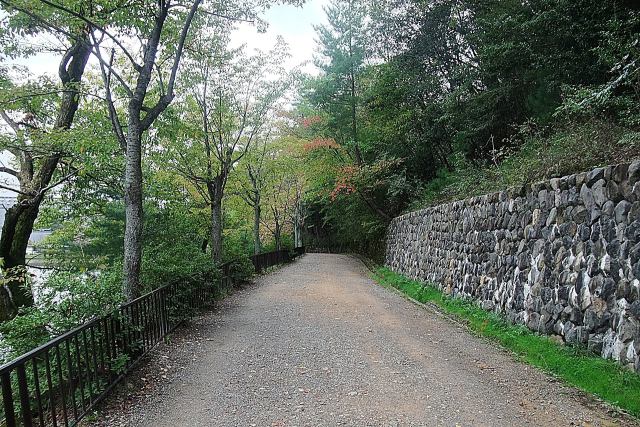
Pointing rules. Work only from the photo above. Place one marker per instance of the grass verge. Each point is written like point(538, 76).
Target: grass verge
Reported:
point(603, 378)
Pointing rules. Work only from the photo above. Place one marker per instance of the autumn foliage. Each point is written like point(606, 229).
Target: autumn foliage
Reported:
point(345, 184)
point(320, 143)
point(307, 122)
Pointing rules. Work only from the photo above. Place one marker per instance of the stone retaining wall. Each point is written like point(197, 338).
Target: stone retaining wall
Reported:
point(561, 256)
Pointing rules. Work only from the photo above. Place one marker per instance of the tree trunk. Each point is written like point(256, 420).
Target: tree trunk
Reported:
point(297, 229)
point(133, 211)
point(216, 231)
point(354, 105)
point(354, 123)
point(20, 218)
point(215, 188)
point(16, 230)
point(297, 236)
point(278, 236)
point(8, 309)
point(257, 214)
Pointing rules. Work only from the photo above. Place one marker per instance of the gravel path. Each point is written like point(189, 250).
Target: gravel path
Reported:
point(317, 343)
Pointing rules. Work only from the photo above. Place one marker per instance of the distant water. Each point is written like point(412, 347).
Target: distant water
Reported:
point(38, 276)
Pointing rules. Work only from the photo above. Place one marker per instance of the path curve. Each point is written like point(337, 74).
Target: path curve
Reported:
point(317, 343)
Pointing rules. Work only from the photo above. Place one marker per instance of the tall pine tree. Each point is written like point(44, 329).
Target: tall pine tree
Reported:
point(342, 59)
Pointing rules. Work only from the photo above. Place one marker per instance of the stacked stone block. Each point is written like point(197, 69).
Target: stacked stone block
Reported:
point(561, 257)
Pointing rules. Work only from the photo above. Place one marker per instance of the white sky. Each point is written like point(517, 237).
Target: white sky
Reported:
point(294, 24)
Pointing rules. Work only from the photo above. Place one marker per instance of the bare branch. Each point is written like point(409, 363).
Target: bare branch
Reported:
point(9, 171)
point(59, 182)
point(112, 71)
point(10, 121)
point(14, 190)
point(230, 18)
point(52, 92)
point(97, 27)
point(113, 114)
point(166, 99)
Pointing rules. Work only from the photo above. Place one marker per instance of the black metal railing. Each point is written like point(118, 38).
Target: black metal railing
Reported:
point(58, 383)
point(269, 259)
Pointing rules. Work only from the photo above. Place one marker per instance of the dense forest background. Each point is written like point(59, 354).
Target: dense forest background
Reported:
point(162, 151)
point(422, 102)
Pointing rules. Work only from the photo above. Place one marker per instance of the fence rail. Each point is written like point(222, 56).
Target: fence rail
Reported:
point(266, 260)
point(60, 382)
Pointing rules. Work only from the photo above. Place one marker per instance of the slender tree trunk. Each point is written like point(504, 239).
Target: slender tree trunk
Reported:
point(215, 189)
point(216, 231)
point(297, 228)
point(278, 236)
point(257, 214)
point(354, 105)
point(354, 122)
point(297, 236)
point(133, 211)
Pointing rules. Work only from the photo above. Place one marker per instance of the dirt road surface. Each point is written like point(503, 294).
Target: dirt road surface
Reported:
point(318, 343)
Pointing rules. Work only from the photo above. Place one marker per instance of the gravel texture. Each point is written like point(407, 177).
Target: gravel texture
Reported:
point(318, 343)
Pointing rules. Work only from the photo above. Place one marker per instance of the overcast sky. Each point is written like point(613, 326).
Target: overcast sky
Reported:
point(294, 24)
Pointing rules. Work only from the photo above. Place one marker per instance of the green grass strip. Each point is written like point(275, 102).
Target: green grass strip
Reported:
point(603, 378)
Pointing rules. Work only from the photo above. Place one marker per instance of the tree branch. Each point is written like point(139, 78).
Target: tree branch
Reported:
point(166, 99)
point(9, 171)
point(92, 24)
point(71, 36)
point(15, 190)
point(113, 114)
point(12, 124)
point(59, 182)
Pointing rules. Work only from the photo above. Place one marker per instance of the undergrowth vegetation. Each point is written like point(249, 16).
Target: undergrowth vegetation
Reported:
point(540, 155)
point(603, 378)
